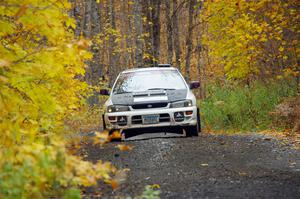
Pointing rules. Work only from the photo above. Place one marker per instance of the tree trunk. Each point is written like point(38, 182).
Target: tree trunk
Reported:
point(176, 39)
point(127, 33)
point(113, 55)
point(189, 40)
point(97, 65)
point(148, 32)
point(199, 66)
point(79, 12)
point(199, 49)
point(87, 30)
point(169, 32)
point(138, 24)
point(156, 30)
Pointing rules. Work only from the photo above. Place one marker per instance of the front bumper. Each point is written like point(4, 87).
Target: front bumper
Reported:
point(166, 118)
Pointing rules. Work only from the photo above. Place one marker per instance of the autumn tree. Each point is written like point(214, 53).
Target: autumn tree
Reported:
point(41, 65)
point(189, 38)
point(175, 29)
point(251, 39)
point(207, 40)
point(138, 24)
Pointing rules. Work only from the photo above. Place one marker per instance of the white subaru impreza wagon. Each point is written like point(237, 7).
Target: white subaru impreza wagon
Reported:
point(157, 99)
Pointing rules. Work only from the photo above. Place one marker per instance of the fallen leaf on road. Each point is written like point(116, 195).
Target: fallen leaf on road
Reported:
point(124, 147)
point(114, 184)
point(155, 186)
point(101, 138)
point(119, 178)
point(115, 135)
point(242, 173)
point(97, 194)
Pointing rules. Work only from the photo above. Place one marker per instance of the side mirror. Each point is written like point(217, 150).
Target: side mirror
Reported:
point(194, 84)
point(104, 92)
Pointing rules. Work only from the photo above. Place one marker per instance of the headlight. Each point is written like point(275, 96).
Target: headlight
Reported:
point(116, 108)
point(185, 103)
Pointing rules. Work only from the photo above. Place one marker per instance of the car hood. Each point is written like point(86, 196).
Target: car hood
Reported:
point(154, 96)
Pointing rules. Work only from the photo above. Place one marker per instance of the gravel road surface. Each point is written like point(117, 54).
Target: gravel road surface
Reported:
point(208, 166)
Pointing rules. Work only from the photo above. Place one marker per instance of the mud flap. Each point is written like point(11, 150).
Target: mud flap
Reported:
point(184, 132)
point(123, 136)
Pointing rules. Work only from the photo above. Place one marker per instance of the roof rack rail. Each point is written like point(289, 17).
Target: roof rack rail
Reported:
point(164, 65)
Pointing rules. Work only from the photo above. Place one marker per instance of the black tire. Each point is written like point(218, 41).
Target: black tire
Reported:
point(194, 130)
point(199, 121)
point(103, 123)
point(191, 131)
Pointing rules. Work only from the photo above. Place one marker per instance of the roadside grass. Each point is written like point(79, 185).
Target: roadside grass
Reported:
point(232, 107)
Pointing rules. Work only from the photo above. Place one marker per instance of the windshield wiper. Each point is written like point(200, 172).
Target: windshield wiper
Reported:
point(165, 89)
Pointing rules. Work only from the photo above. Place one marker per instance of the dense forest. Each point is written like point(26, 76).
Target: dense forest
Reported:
point(207, 40)
point(56, 54)
point(245, 54)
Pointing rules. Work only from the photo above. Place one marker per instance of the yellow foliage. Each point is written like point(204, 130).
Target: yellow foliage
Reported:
point(155, 186)
point(40, 62)
point(245, 37)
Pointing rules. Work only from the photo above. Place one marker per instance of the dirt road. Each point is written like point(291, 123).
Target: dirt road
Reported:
point(208, 166)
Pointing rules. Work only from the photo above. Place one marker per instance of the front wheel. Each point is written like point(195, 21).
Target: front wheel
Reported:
point(198, 121)
point(191, 131)
point(194, 130)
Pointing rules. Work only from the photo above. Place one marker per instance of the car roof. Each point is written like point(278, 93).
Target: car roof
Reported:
point(149, 69)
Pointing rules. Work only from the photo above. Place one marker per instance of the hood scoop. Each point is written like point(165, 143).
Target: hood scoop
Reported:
point(141, 95)
point(150, 97)
point(148, 94)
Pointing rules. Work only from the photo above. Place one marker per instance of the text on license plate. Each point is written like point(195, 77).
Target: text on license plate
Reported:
point(150, 119)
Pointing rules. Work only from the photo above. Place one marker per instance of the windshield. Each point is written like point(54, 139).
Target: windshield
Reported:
point(149, 80)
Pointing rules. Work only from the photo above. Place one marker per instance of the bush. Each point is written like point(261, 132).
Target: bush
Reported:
point(246, 108)
point(287, 114)
point(43, 171)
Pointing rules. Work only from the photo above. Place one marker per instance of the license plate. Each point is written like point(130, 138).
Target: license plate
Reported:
point(150, 119)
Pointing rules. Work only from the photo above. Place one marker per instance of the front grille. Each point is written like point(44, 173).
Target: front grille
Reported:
point(137, 119)
point(149, 105)
point(164, 117)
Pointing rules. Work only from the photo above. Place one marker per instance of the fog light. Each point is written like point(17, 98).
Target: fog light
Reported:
point(188, 112)
point(178, 116)
point(122, 120)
